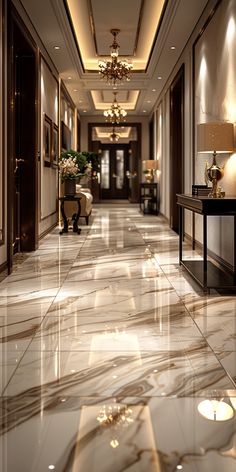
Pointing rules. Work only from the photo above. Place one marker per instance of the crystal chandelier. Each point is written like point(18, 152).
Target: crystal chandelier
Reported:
point(114, 137)
point(115, 72)
point(115, 417)
point(115, 113)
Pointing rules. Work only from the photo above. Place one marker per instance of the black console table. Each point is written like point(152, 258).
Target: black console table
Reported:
point(71, 198)
point(207, 274)
point(149, 199)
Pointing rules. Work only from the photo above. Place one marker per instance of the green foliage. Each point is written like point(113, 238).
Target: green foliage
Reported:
point(93, 159)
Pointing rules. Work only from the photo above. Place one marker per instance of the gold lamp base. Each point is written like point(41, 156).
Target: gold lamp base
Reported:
point(149, 177)
point(214, 174)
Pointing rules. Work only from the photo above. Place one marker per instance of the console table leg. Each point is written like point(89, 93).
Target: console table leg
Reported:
point(205, 251)
point(180, 233)
point(75, 224)
point(65, 221)
point(234, 268)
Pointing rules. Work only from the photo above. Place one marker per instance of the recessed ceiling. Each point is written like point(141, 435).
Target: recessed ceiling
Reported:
point(102, 133)
point(92, 21)
point(103, 99)
point(137, 20)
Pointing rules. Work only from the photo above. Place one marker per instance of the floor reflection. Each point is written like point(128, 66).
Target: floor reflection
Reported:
point(112, 359)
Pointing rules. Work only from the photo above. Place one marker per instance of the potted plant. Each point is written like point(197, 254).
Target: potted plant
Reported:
point(72, 166)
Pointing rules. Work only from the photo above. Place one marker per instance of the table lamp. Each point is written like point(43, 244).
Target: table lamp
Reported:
point(217, 138)
point(149, 167)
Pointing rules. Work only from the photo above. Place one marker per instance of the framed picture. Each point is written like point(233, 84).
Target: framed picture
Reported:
point(54, 153)
point(47, 140)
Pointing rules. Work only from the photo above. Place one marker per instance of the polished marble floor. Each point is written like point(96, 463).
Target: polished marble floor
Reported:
point(107, 350)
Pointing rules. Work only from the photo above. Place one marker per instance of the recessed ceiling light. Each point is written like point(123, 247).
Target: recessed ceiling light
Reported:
point(148, 101)
point(75, 90)
point(80, 101)
point(69, 78)
point(144, 111)
point(57, 47)
point(172, 47)
point(84, 111)
point(51, 467)
point(153, 90)
point(159, 77)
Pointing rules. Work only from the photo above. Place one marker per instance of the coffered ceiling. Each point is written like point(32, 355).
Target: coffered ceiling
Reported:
point(76, 34)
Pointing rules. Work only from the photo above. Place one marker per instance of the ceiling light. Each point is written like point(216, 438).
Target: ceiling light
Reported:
point(115, 72)
point(148, 101)
point(114, 137)
point(159, 77)
point(84, 111)
point(115, 113)
point(153, 90)
point(57, 47)
point(69, 78)
point(172, 47)
point(75, 90)
point(144, 111)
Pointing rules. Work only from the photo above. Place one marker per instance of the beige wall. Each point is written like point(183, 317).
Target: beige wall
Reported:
point(215, 100)
point(47, 175)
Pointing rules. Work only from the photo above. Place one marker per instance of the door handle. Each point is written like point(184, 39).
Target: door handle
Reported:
point(17, 161)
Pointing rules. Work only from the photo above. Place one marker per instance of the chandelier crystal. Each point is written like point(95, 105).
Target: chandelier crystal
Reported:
point(114, 137)
point(115, 114)
point(115, 72)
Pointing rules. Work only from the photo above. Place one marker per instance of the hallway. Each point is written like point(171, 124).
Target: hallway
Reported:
point(107, 349)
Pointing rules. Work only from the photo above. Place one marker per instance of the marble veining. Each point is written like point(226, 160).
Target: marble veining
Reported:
point(107, 347)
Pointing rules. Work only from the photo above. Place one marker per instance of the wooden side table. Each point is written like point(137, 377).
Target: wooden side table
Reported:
point(207, 274)
point(72, 198)
point(149, 198)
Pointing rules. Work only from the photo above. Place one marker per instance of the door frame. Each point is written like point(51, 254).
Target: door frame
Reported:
point(133, 182)
point(14, 20)
point(176, 144)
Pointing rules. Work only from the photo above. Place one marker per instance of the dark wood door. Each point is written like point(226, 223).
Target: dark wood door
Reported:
point(114, 166)
point(23, 141)
point(176, 145)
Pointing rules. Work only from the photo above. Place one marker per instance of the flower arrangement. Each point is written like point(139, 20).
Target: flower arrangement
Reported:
point(73, 165)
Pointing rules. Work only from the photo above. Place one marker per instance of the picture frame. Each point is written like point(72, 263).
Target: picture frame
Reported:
point(47, 140)
point(55, 146)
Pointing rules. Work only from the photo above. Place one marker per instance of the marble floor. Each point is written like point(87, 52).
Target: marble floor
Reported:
point(112, 358)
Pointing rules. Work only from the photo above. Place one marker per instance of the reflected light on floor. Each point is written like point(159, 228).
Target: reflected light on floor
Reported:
point(114, 342)
point(215, 410)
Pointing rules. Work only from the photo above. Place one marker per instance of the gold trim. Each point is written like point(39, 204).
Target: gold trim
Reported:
point(138, 27)
point(92, 24)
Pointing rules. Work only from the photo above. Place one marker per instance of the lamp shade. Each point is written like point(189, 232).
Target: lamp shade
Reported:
point(150, 164)
point(215, 137)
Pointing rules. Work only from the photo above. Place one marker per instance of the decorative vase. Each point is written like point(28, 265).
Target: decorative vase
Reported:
point(70, 187)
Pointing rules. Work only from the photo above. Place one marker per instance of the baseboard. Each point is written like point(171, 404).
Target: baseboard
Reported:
point(3, 271)
point(48, 230)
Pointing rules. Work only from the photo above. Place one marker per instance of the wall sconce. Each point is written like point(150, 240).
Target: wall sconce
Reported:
point(217, 138)
point(150, 166)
